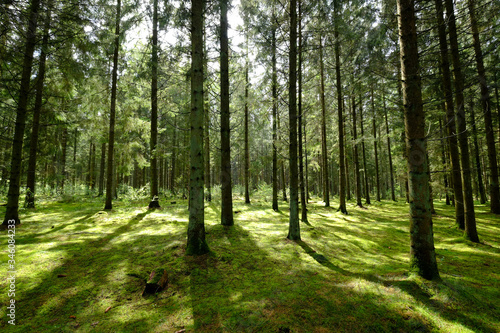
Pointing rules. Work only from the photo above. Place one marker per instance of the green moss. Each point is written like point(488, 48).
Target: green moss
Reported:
point(348, 274)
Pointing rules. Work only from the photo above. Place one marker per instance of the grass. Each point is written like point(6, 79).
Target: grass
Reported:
point(349, 274)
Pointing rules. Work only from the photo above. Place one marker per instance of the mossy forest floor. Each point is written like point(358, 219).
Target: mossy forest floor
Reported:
point(82, 269)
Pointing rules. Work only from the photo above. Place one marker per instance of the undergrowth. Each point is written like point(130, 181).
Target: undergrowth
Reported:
point(81, 269)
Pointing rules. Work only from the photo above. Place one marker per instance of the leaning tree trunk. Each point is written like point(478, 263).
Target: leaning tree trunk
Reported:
point(294, 226)
point(154, 203)
point(12, 212)
point(422, 252)
point(31, 176)
point(226, 183)
point(470, 218)
point(450, 119)
point(112, 113)
point(196, 243)
point(488, 122)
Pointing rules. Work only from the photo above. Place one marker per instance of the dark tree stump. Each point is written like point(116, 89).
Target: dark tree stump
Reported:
point(155, 203)
point(158, 280)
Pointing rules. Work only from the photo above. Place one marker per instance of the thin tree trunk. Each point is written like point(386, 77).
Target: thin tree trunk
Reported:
point(375, 145)
point(443, 160)
point(294, 226)
point(387, 131)
point(12, 212)
point(208, 184)
point(324, 154)
point(112, 113)
point(196, 243)
point(488, 123)
point(226, 183)
point(340, 115)
point(101, 170)
point(367, 188)
point(470, 219)
point(93, 168)
point(303, 200)
point(482, 193)
point(450, 120)
point(64, 145)
point(247, 149)
point(174, 158)
point(422, 252)
point(31, 174)
point(355, 152)
point(275, 118)
point(154, 203)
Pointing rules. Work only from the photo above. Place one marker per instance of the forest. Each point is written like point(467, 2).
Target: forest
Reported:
point(250, 166)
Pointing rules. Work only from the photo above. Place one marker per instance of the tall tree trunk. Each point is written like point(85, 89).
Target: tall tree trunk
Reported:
point(226, 183)
point(31, 176)
point(112, 113)
point(294, 226)
point(303, 199)
point(154, 203)
point(375, 146)
point(12, 212)
point(340, 114)
point(367, 188)
point(488, 122)
point(275, 118)
point(422, 252)
point(174, 158)
point(101, 170)
point(470, 218)
point(482, 193)
point(324, 154)
point(443, 160)
point(196, 243)
point(355, 152)
point(63, 156)
point(208, 184)
point(247, 149)
point(450, 120)
point(93, 168)
point(387, 131)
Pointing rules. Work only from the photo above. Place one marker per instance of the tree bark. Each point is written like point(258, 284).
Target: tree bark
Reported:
point(226, 182)
point(112, 113)
point(247, 149)
point(196, 243)
point(12, 212)
point(294, 226)
point(470, 219)
point(488, 122)
point(154, 203)
point(422, 252)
